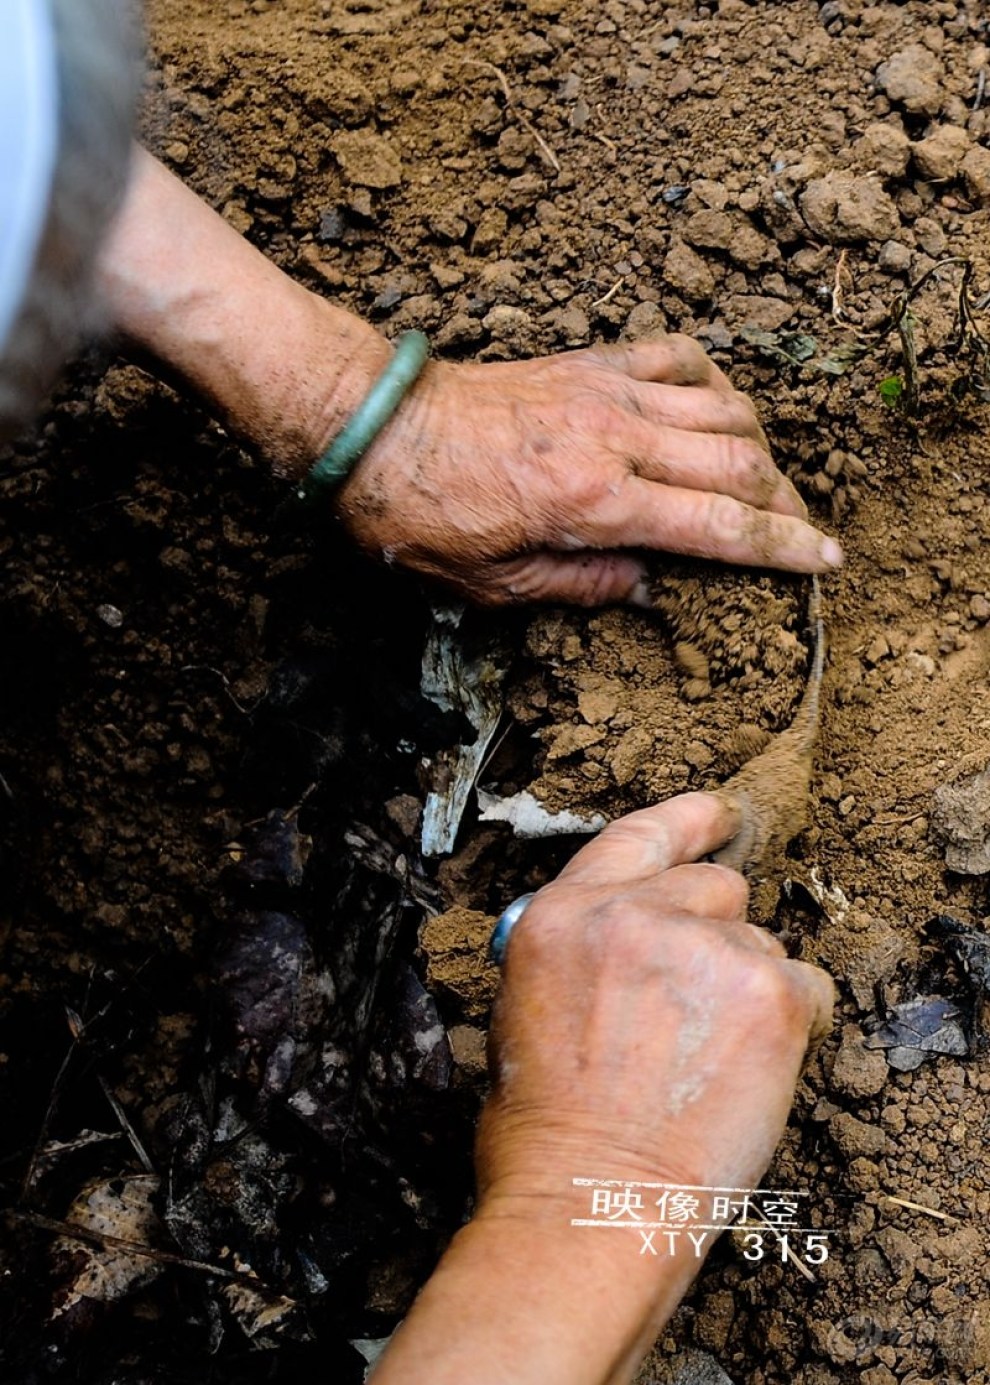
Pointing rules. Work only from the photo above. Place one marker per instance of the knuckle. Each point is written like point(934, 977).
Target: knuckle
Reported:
point(493, 597)
point(743, 413)
point(631, 403)
point(592, 413)
point(766, 940)
point(733, 886)
point(626, 936)
point(519, 580)
point(586, 491)
point(647, 831)
point(590, 487)
point(769, 992)
point(748, 469)
point(613, 356)
point(687, 348)
point(597, 581)
point(724, 523)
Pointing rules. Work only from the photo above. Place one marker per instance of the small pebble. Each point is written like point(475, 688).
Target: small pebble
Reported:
point(895, 258)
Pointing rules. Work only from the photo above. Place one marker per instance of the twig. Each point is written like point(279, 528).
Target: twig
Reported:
point(218, 673)
point(897, 822)
point(650, 29)
point(126, 1126)
point(294, 811)
point(607, 297)
point(981, 86)
point(503, 81)
point(493, 751)
point(46, 1120)
point(105, 1241)
point(77, 1032)
point(920, 1207)
point(838, 287)
point(524, 121)
point(909, 350)
point(609, 144)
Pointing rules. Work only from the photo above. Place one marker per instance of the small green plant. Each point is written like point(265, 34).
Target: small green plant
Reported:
point(901, 392)
point(892, 391)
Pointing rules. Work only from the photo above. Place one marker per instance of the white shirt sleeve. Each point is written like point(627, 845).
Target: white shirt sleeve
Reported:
point(29, 112)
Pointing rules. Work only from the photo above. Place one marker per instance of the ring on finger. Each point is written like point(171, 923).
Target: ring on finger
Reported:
point(504, 925)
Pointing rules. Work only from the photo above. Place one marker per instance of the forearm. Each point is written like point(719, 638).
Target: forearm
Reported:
point(536, 1304)
point(185, 288)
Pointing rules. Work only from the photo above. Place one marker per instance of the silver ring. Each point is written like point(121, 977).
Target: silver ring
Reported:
point(507, 920)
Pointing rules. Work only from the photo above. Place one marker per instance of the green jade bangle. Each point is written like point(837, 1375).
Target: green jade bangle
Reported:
point(370, 417)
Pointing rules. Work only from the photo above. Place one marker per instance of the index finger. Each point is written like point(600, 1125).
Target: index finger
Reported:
point(673, 833)
point(642, 514)
point(672, 360)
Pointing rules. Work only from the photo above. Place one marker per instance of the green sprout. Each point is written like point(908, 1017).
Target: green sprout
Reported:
point(892, 391)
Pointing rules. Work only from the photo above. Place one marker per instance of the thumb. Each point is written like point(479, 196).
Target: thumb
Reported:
point(585, 579)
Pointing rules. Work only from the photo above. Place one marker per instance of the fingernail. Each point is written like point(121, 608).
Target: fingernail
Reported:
point(831, 553)
point(641, 595)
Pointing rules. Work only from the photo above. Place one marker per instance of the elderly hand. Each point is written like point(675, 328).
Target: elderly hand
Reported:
point(543, 479)
point(645, 1032)
point(534, 480)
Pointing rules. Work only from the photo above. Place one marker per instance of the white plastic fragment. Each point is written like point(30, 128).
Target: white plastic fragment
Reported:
point(831, 898)
point(529, 819)
point(110, 615)
point(458, 679)
point(371, 1348)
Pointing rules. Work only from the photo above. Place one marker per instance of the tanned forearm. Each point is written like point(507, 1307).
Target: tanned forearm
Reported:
point(535, 1304)
point(185, 288)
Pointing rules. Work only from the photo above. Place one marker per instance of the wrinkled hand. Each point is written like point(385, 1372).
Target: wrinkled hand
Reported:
point(527, 480)
point(644, 1030)
point(531, 480)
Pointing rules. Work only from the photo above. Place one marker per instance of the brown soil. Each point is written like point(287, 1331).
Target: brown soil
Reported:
point(722, 167)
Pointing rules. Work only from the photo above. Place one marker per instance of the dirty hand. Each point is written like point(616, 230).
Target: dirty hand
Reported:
point(541, 479)
point(533, 480)
point(645, 1029)
point(646, 1032)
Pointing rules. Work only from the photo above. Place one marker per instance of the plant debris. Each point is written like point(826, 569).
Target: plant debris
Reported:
point(459, 675)
point(918, 1029)
point(800, 349)
point(529, 819)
